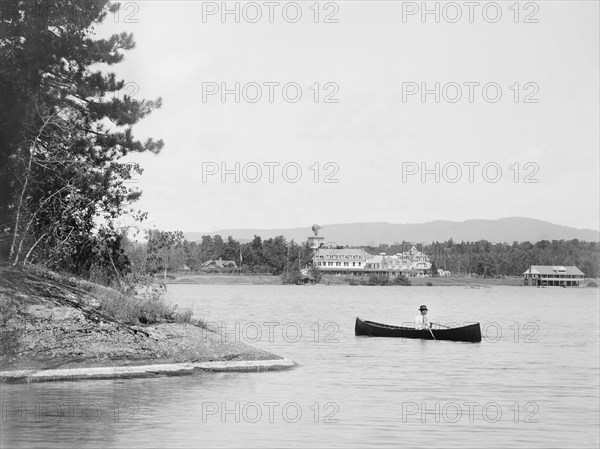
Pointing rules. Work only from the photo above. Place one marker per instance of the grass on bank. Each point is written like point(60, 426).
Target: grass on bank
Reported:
point(142, 309)
point(135, 301)
point(146, 307)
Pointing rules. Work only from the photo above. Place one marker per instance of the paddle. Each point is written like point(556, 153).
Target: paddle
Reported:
point(443, 325)
point(431, 332)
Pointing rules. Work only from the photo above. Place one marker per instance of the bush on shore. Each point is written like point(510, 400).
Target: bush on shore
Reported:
point(135, 300)
point(402, 280)
point(132, 309)
point(377, 279)
point(144, 308)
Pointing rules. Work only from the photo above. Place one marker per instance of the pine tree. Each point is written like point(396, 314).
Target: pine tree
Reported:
point(63, 133)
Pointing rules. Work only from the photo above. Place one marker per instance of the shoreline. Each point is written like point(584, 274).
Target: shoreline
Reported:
point(138, 371)
point(53, 328)
point(333, 280)
point(328, 279)
point(224, 279)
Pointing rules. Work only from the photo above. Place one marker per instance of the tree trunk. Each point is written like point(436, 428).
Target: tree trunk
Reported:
point(19, 211)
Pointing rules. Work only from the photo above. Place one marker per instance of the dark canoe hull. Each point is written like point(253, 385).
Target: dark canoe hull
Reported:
point(470, 333)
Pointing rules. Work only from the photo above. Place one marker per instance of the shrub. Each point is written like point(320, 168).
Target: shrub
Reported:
point(290, 277)
point(378, 279)
point(592, 284)
point(401, 280)
point(136, 309)
point(428, 284)
point(263, 269)
point(186, 316)
point(142, 302)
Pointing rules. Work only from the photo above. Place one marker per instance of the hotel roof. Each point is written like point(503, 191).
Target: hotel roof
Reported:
point(553, 269)
point(343, 252)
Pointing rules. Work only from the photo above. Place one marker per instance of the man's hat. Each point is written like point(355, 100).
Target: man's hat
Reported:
point(423, 308)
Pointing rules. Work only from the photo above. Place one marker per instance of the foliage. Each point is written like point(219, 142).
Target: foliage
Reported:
point(401, 280)
point(434, 269)
point(274, 256)
point(279, 257)
point(65, 131)
point(136, 309)
point(292, 276)
point(316, 273)
point(378, 279)
point(163, 248)
point(257, 269)
point(486, 259)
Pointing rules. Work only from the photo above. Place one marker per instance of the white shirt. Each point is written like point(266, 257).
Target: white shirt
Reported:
point(422, 322)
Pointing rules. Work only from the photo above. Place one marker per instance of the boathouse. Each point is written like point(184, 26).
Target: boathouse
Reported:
point(558, 276)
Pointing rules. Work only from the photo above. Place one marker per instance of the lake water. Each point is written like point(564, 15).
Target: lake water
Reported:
point(532, 382)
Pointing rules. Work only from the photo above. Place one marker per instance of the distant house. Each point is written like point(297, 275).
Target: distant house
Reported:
point(444, 273)
point(546, 275)
point(306, 277)
point(218, 265)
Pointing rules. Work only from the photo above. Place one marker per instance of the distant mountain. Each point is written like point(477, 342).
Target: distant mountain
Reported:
point(503, 230)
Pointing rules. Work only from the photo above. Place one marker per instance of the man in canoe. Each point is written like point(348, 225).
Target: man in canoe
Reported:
point(421, 321)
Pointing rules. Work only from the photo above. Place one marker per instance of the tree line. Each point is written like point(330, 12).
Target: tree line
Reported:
point(164, 251)
point(488, 259)
point(278, 256)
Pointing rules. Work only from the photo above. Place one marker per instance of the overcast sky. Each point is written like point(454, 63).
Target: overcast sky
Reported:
point(374, 57)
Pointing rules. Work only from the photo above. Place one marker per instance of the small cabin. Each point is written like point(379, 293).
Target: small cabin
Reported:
point(218, 265)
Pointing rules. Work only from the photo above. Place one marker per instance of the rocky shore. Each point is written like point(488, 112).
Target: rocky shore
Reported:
point(52, 328)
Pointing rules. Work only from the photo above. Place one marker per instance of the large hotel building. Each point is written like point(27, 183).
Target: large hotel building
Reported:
point(356, 261)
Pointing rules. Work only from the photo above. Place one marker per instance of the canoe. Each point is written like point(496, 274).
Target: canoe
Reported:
point(470, 333)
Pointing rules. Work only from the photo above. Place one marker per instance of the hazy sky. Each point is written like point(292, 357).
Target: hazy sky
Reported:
point(374, 57)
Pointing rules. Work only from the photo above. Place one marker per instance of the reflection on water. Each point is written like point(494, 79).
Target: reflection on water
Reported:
point(532, 381)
